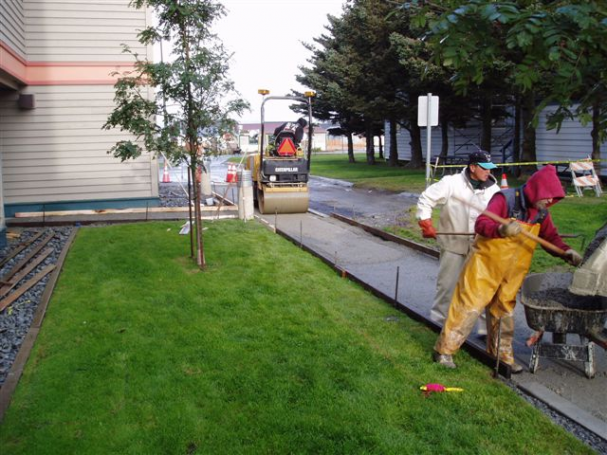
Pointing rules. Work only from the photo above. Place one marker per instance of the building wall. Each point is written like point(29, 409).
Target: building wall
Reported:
point(573, 142)
point(56, 153)
point(12, 29)
point(82, 31)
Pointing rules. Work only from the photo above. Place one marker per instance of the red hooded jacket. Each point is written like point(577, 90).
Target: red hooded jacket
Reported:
point(544, 184)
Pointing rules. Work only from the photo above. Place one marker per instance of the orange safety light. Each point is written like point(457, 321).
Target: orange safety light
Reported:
point(287, 147)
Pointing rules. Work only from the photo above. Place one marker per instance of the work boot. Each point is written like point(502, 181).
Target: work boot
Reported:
point(515, 368)
point(444, 359)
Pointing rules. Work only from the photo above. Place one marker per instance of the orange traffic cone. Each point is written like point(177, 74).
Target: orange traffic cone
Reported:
point(230, 176)
point(165, 175)
point(504, 182)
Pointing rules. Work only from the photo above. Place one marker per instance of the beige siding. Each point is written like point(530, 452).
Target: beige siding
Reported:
point(58, 151)
point(82, 31)
point(12, 25)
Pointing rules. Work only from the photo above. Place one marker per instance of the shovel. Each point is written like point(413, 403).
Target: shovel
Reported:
point(499, 219)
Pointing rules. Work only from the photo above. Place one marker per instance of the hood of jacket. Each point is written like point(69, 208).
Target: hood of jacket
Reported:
point(544, 184)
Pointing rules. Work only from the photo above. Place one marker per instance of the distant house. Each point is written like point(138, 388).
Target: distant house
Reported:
point(56, 92)
point(573, 142)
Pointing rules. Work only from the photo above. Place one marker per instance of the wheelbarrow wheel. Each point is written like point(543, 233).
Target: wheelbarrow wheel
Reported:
point(534, 361)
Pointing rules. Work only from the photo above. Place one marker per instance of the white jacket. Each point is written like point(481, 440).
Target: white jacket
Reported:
point(456, 216)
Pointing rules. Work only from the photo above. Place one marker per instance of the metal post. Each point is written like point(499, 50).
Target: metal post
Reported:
point(396, 287)
point(428, 139)
point(497, 349)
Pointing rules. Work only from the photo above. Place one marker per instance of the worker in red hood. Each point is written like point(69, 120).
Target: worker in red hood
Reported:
point(499, 261)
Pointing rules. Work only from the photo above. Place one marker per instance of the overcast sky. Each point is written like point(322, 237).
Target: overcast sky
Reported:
point(265, 37)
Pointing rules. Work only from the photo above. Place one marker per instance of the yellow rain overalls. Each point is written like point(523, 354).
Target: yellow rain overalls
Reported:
point(491, 278)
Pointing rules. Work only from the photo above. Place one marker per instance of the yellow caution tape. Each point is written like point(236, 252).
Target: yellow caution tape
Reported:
point(436, 166)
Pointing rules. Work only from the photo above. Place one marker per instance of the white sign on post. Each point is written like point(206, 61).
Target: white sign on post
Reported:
point(427, 115)
point(422, 110)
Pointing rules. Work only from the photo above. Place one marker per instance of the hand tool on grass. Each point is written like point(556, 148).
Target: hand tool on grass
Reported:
point(505, 221)
point(429, 388)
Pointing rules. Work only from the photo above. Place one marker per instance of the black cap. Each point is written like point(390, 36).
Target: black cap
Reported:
point(303, 122)
point(482, 158)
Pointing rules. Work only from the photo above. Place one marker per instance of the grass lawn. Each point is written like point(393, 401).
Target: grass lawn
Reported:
point(573, 215)
point(268, 351)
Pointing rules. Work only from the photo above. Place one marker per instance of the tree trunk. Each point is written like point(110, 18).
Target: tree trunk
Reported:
point(200, 259)
point(350, 148)
point(596, 145)
point(190, 217)
point(528, 155)
point(417, 159)
point(393, 158)
point(486, 120)
point(516, 141)
point(370, 147)
point(381, 147)
point(444, 151)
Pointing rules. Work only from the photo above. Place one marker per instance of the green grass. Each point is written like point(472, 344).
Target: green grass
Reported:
point(380, 176)
point(573, 215)
point(268, 351)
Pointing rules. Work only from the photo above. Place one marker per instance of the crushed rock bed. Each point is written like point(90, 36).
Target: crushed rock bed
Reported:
point(16, 319)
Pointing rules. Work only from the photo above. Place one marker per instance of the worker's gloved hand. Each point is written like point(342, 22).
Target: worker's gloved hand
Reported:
point(509, 230)
point(573, 257)
point(428, 231)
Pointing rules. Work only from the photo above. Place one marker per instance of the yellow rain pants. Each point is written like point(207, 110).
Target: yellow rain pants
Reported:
point(491, 278)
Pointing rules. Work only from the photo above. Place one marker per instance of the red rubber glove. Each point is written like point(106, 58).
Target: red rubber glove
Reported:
point(428, 231)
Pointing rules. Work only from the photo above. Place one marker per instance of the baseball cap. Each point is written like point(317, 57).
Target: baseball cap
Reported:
point(483, 159)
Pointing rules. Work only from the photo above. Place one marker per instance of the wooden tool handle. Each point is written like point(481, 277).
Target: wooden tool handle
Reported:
point(544, 243)
point(499, 219)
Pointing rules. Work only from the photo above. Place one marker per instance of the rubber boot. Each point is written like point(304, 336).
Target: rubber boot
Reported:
point(455, 332)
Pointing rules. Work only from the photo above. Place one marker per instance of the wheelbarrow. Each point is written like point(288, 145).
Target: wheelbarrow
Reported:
point(551, 307)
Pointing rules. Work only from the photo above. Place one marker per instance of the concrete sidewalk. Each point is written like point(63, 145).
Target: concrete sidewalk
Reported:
point(561, 385)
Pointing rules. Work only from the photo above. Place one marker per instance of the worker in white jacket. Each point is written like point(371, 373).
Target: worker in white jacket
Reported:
point(475, 185)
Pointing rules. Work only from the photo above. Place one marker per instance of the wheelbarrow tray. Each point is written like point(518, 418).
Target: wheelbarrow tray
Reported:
point(550, 307)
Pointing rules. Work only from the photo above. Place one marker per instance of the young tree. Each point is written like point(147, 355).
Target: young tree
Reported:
point(195, 81)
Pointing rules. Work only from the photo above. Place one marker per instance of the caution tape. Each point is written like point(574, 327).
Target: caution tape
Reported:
point(436, 166)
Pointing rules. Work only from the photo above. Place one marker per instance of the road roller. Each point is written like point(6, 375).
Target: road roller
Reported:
point(280, 169)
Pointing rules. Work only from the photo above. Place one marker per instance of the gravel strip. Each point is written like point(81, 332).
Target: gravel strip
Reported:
point(17, 318)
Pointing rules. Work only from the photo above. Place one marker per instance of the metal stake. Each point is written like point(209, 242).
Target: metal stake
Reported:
point(499, 341)
point(396, 287)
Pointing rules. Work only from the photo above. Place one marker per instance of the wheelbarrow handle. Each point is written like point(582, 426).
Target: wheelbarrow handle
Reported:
point(499, 219)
